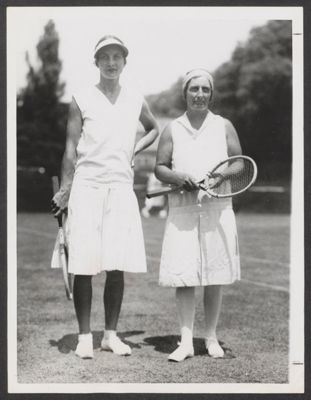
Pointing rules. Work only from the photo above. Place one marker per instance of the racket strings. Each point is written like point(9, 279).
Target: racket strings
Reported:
point(235, 176)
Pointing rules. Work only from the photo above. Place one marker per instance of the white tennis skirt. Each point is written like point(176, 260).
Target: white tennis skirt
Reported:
point(200, 245)
point(104, 230)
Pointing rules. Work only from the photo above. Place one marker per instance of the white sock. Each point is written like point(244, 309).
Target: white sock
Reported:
point(84, 336)
point(186, 336)
point(109, 334)
point(185, 301)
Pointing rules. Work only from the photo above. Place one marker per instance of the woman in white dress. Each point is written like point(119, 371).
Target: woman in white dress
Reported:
point(200, 245)
point(104, 226)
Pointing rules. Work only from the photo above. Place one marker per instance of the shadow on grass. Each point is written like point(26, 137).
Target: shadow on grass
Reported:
point(167, 344)
point(69, 342)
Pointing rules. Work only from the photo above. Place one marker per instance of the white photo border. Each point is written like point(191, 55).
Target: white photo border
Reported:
point(296, 355)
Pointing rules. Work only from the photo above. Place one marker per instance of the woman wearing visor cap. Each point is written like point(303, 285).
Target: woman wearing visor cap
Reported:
point(200, 245)
point(104, 226)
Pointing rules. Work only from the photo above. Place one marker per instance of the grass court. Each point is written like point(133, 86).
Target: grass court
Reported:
point(253, 327)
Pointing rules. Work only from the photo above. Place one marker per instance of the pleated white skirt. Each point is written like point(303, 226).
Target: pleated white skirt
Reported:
point(104, 229)
point(200, 245)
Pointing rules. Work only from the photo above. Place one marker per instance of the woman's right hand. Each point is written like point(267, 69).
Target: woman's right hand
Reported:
point(186, 181)
point(59, 202)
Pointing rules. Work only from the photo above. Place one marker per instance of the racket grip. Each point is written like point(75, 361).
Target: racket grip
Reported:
point(156, 193)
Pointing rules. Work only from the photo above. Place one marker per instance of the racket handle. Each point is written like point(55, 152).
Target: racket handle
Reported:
point(156, 193)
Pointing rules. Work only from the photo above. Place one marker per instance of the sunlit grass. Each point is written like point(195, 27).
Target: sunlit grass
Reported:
point(253, 326)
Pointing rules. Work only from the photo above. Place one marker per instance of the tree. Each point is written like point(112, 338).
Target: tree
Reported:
point(254, 90)
point(170, 102)
point(41, 117)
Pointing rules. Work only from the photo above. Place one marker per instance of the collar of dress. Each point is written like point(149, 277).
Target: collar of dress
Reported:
point(105, 97)
point(184, 121)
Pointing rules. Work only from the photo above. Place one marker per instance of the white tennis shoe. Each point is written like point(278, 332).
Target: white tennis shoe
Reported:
point(181, 353)
point(85, 346)
point(115, 345)
point(213, 348)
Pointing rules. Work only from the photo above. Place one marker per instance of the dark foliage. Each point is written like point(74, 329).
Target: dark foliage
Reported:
point(254, 90)
point(41, 117)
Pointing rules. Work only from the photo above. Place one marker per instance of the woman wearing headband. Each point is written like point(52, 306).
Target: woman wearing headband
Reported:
point(200, 245)
point(104, 226)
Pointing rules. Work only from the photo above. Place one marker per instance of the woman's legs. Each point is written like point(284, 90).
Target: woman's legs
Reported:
point(212, 307)
point(113, 296)
point(185, 300)
point(82, 296)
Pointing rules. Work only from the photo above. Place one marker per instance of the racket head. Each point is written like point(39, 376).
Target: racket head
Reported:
point(63, 249)
point(67, 277)
point(232, 176)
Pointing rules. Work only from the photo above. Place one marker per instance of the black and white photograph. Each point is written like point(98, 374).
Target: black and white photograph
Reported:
point(155, 199)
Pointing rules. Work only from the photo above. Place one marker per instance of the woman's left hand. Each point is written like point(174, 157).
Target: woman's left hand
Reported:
point(214, 181)
point(59, 202)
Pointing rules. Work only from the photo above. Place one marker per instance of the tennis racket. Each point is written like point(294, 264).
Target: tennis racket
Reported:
point(228, 178)
point(63, 250)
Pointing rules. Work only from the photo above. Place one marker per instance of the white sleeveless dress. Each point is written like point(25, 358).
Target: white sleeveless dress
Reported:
point(104, 225)
point(200, 245)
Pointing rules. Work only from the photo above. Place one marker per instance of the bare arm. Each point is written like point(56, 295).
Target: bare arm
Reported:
point(233, 143)
point(151, 129)
point(163, 169)
point(233, 149)
point(74, 128)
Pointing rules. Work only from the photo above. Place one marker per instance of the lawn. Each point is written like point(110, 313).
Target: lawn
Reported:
point(253, 327)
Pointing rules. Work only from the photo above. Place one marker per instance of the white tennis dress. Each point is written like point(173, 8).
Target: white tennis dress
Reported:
point(200, 245)
point(104, 225)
